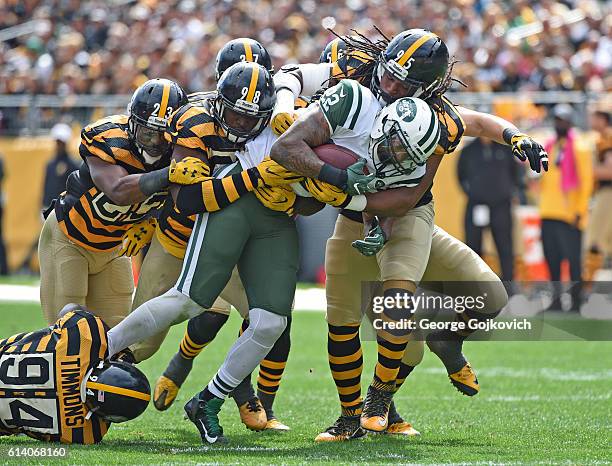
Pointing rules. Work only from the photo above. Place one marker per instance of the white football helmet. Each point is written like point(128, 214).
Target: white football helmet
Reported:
point(404, 135)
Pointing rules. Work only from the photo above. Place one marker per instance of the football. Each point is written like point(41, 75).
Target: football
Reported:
point(337, 156)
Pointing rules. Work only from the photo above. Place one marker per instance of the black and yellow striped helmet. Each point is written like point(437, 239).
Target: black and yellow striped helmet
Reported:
point(245, 89)
point(242, 49)
point(416, 57)
point(333, 51)
point(117, 391)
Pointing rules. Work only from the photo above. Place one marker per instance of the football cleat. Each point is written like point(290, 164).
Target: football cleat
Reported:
point(253, 415)
point(402, 428)
point(345, 428)
point(460, 373)
point(276, 425)
point(465, 380)
point(205, 416)
point(165, 393)
point(398, 426)
point(375, 415)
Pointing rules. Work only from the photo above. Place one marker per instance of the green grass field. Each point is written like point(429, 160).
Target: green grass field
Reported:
point(540, 403)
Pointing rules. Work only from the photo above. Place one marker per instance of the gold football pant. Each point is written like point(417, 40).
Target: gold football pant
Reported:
point(69, 273)
point(159, 272)
point(449, 261)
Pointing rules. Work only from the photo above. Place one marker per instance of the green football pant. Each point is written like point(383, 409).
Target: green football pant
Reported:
point(261, 242)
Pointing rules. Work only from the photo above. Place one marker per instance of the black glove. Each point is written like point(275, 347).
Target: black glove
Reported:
point(524, 147)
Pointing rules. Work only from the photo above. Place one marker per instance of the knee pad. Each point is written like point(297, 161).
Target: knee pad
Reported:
point(266, 326)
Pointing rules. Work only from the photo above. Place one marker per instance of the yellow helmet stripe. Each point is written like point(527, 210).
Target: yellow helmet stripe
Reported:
point(410, 50)
point(248, 53)
point(164, 101)
point(118, 390)
point(334, 51)
point(253, 84)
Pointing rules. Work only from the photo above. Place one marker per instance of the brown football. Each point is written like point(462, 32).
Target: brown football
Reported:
point(337, 156)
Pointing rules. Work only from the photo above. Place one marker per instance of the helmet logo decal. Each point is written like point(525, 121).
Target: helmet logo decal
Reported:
point(406, 110)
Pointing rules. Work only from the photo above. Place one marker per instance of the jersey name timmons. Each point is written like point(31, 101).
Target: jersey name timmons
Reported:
point(454, 326)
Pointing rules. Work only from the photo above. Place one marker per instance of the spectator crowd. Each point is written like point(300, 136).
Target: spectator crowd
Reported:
point(69, 47)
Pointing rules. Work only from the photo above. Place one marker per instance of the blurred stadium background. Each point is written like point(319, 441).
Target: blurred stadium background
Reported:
point(75, 61)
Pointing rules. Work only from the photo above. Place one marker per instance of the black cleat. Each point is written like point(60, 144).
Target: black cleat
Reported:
point(205, 416)
point(345, 428)
point(375, 415)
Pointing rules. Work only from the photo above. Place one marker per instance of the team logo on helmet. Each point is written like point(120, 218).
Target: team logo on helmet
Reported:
point(407, 110)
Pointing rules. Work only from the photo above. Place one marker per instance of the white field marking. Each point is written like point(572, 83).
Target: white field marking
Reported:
point(19, 293)
point(310, 299)
point(514, 399)
point(223, 448)
point(548, 373)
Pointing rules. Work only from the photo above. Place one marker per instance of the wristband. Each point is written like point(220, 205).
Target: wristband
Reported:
point(155, 181)
point(357, 203)
point(509, 133)
point(332, 175)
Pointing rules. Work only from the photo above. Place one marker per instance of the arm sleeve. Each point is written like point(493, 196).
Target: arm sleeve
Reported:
point(216, 193)
point(304, 79)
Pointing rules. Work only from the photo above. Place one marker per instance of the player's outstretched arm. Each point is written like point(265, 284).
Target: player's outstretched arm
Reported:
point(489, 126)
point(125, 189)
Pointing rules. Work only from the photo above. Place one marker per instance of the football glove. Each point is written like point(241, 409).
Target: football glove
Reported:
point(137, 237)
point(358, 183)
point(274, 174)
point(374, 240)
point(325, 192)
point(279, 198)
point(282, 121)
point(524, 147)
point(190, 170)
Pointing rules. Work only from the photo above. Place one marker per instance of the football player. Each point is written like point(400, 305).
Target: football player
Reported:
point(245, 233)
point(415, 63)
point(124, 176)
point(197, 127)
point(55, 384)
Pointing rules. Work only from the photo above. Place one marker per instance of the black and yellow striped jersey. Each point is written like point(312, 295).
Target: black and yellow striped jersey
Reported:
point(193, 126)
point(452, 126)
point(85, 214)
point(42, 378)
point(174, 229)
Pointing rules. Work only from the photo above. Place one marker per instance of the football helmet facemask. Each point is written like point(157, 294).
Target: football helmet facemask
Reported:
point(403, 137)
point(239, 50)
point(245, 100)
point(151, 106)
point(417, 58)
point(116, 391)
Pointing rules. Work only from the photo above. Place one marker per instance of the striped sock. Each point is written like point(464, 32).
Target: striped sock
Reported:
point(271, 369)
point(201, 330)
point(346, 364)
